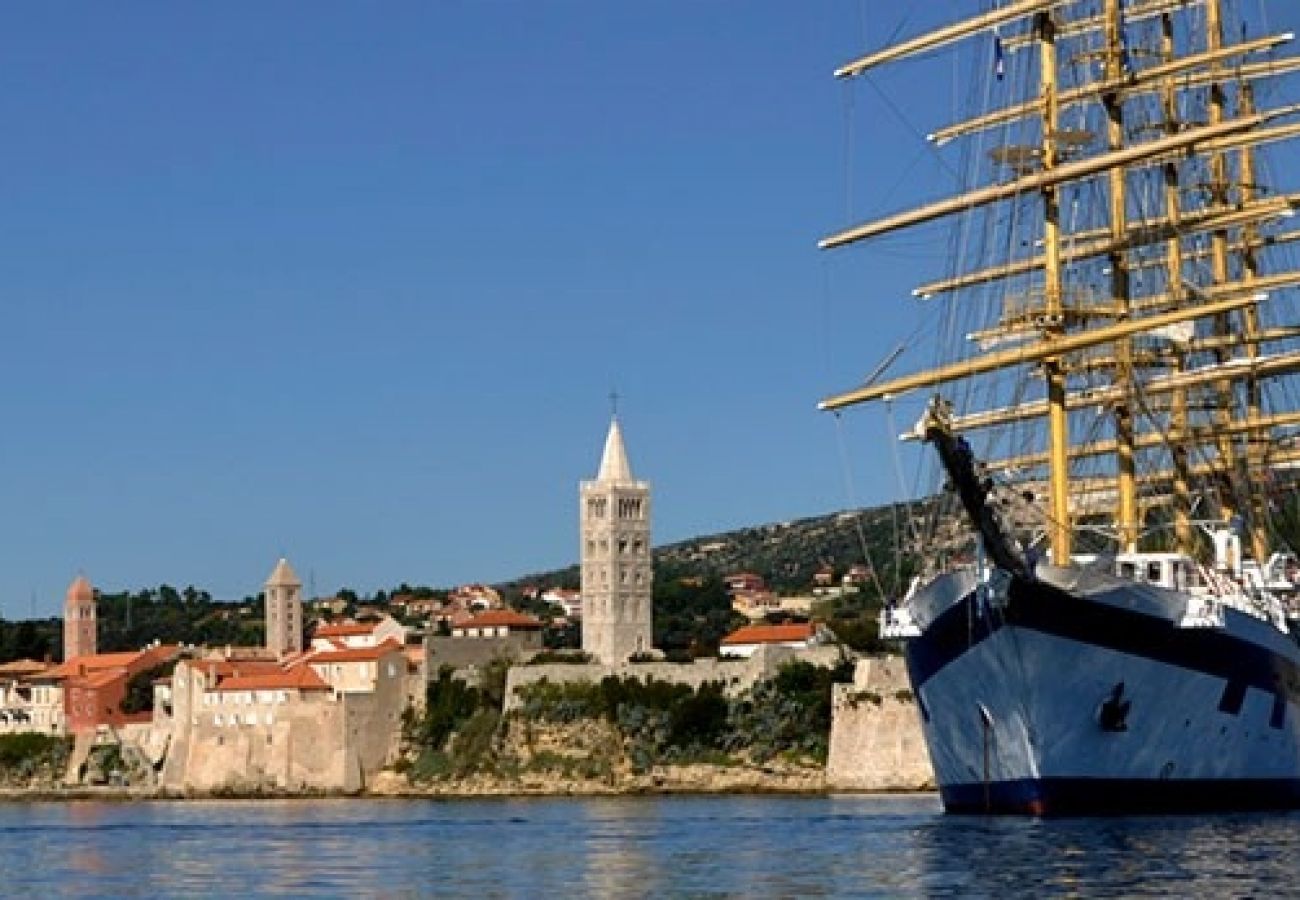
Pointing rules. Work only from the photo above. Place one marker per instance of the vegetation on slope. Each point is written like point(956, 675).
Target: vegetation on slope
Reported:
point(652, 722)
point(29, 756)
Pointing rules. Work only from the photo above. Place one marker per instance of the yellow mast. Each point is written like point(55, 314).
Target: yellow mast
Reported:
point(1050, 349)
point(1257, 439)
point(1126, 510)
point(1232, 214)
point(1219, 193)
point(1266, 367)
point(1181, 487)
point(1058, 525)
point(1053, 177)
point(1134, 84)
point(1087, 244)
point(944, 36)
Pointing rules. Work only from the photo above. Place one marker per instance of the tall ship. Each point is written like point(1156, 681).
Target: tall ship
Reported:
point(1105, 617)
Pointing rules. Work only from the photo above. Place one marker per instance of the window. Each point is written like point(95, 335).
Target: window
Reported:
point(1155, 572)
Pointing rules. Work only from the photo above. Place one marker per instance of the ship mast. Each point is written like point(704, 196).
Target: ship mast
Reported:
point(1058, 525)
point(1219, 194)
point(1257, 437)
point(1181, 487)
point(1127, 509)
point(1143, 361)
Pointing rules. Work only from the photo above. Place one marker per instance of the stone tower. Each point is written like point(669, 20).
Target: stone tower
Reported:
point(616, 571)
point(283, 610)
point(79, 620)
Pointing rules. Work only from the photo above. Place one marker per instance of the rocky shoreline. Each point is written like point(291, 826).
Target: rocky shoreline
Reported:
point(662, 780)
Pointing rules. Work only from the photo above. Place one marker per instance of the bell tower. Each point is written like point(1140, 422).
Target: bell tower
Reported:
point(79, 620)
point(616, 564)
point(283, 610)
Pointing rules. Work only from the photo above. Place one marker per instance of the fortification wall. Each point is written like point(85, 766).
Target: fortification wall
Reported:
point(320, 741)
point(876, 740)
point(301, 750)
point(736, 675)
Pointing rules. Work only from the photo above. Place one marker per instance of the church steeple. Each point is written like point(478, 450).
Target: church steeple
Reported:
point(616, 559)
point(614, 466)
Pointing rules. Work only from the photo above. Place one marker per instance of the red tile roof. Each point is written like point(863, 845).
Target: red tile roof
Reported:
point(343, 629)
point(302, 678)
point(23, 667)
point(352, 654)
point(81, 666)
point(98, 680)
point(229, 668)
point(496, 618)
point(771, 634)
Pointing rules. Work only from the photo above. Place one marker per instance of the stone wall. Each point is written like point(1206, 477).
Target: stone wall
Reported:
point(876, 740)
point(321, 740)
point(461, 653)
point(736, 675)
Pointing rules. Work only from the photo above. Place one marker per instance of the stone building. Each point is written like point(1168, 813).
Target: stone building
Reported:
point(338, 635)
point(616, 564)
point(283, 610)
point(30, 701)
point(79, 620)
point(95, 686)
point(322, 720)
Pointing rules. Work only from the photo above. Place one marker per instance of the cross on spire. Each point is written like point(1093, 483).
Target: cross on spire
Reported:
point(613, 403)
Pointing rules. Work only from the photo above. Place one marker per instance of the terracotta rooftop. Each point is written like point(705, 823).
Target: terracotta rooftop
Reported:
point(97, 679)
point(496, 618)
point(352, 654)
point(23, 667)
point(343, 629)
point(771, 634)
point(222, 669)
point(100, 662)
point(302, 678)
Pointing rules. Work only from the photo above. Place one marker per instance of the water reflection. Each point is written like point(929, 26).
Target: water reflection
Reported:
point(703, 846)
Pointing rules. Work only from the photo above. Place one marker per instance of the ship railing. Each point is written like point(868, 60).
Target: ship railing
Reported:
point(1260, 604)
point(896, 623)
point(1202, 612)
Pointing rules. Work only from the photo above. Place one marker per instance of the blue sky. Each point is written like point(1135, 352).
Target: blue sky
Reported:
point(351, 283)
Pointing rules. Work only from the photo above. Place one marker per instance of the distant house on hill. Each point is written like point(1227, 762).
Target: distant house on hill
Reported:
point(746, 641)
point(857, 576)
point(567, 599)
point(476, 597)
point(499, 623)
point(480, 639)
point(745, 583)
point(350, 634)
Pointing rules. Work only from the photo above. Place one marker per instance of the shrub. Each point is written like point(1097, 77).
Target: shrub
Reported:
point(28, 751)
point(562, 657)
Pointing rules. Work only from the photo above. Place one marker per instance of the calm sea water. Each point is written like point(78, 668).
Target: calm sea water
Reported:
point(639, 847)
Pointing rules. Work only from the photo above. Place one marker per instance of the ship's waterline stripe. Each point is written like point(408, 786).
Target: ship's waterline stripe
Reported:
point(1103, 796)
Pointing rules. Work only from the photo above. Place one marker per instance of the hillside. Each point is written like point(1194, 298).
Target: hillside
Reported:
point(692, 609)
point(786, 554)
